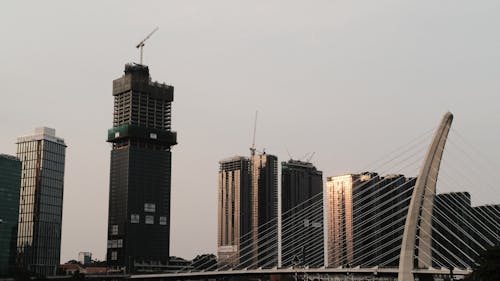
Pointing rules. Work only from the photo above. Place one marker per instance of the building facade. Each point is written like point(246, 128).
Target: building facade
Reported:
point(233, 211)
point(461, 232)
point(10, 184)
point(379, 213)
point(451, 243)
point(485, 220)
point(365, 218)
point(248, 211)
point(301, 214)
point(140, 172)
point(264, 210)
point(339, 219)
point(84, 257)
point(41, 201)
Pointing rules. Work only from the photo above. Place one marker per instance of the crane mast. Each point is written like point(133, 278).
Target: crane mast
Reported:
point(141, 44)
point(252, 148)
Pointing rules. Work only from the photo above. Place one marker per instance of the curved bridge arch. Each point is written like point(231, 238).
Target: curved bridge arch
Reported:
point(423, 198)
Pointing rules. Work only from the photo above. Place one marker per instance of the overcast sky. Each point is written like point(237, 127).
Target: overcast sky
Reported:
point(349, 80)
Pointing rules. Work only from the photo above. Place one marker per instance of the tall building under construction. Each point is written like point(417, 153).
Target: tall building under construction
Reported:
point(233, 210)
point(248, 211)
point(140, 176)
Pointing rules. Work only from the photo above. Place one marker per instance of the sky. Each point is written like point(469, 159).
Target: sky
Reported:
point(348, 80)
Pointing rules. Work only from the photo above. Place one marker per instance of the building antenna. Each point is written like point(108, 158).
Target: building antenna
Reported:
point(252, 149)
point(141, 44)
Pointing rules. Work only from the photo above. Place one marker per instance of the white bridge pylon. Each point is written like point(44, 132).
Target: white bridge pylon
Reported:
point(423, 199)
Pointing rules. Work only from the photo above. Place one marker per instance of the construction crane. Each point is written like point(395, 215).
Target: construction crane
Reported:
point(141, 44)
point(308, 159)
point(252, 148)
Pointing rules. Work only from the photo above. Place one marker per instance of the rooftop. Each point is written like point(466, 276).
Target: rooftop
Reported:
point(42, 133)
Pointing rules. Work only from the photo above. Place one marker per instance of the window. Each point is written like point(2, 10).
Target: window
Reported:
point(153, 136)
point(114, 229)
point(114, 255)
point(114, 244)
point(316, 224)
point(109, 244)
point(163, 220)
point(149, 207)
point(150, 220)
point(119, 243)
point(134, 218)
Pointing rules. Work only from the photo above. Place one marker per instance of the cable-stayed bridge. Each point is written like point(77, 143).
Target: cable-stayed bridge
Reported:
point(376, 226)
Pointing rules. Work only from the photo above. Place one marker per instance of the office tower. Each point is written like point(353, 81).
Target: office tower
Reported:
point(10, 183)
point(264, 210)
point(140, 172)
point(365, 218)
point(233, 211)
point(301, 214)
point(41, 201)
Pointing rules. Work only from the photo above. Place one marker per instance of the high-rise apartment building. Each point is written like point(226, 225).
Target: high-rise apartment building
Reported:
point(451, 229)
point(485, 220)
point(264, 210)
point(339, 219)
point(365, 218)
point(234, 211)
point(301, 214)
point(10, 183)
point(248, 211)
point(460, 232)
point(379, 213)
point(140, 176)
point(41, 201)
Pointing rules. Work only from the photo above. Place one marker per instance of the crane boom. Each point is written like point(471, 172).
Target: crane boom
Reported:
point(141, 44)
point(252, 149)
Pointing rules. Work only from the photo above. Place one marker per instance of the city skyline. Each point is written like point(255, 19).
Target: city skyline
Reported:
point(328, 87)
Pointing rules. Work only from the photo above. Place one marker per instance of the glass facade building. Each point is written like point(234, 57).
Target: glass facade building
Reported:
point(10, 183)
point(301, 214)
point(140, 173)
point(41, 201)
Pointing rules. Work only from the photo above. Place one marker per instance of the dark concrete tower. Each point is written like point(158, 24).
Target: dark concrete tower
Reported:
point(264, 210)
point(140, 176)
point(302, 214)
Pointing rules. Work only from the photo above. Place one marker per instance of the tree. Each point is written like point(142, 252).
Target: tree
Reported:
point(204, 262)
